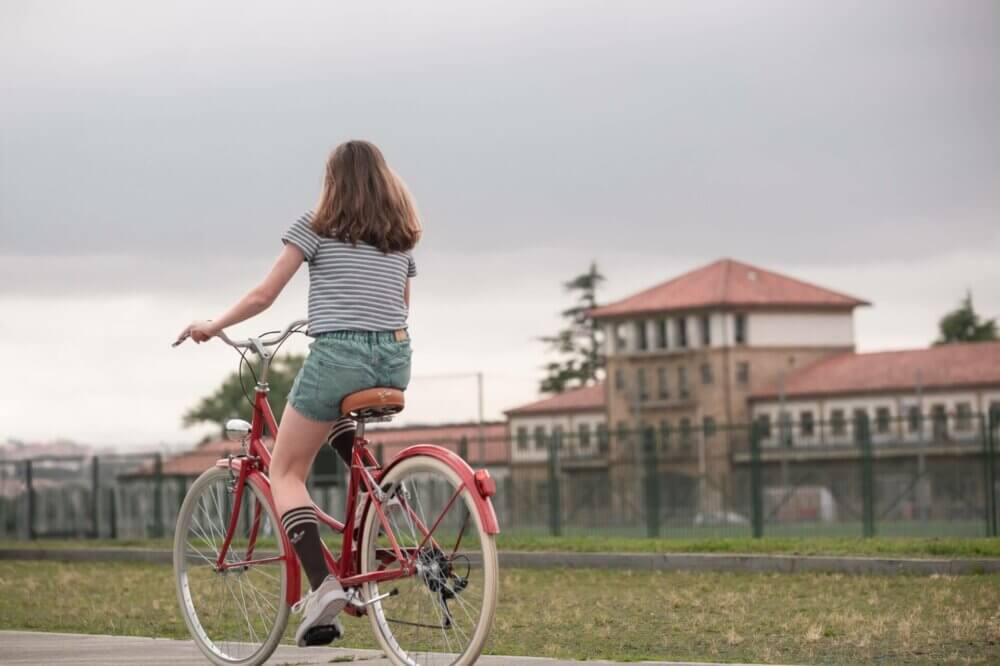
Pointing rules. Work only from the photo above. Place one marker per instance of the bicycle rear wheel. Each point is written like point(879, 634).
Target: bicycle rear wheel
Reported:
point(442, 614)
point(236, 616)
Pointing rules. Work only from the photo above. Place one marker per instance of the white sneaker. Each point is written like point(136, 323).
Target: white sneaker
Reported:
point(320, 608)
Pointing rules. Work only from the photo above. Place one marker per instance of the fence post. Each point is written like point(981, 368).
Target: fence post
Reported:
point(463, 448)
point(652, 483)
point(988, 423)
point(867, 479)
point(29, 487)
point(113, 512)
point(508, 496)
point(756, 483)
point(158, 496)
point(95, 496)
point(555, 509)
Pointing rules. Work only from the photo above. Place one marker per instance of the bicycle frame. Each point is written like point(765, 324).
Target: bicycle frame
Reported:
point(252, 468)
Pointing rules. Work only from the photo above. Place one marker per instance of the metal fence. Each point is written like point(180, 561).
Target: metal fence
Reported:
point(919, 475)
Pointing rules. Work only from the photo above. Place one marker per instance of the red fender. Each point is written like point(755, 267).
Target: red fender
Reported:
point(263, 484)
point(480, 492)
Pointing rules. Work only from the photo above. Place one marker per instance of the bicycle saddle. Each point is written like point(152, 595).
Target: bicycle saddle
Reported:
point(373, 403)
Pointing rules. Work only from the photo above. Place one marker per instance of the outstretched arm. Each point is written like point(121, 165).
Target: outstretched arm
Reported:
point(256, 301)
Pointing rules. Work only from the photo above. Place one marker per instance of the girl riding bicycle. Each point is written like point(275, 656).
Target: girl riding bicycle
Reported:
point(358, 246)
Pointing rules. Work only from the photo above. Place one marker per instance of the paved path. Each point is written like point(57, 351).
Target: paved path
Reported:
point(32, 648)
point(884, 566)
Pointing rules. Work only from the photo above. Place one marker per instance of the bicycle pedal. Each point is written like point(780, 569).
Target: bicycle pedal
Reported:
point(322, 635)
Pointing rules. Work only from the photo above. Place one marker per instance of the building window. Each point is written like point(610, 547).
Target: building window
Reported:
point(785, 428)
point(685, 433)
point(862, 428)
point(914, 418)
point(620, 342)
point(583, 432)
point(963, 417)
point(807, 427)
point(743, 373)
point(522, 439)
point(740, 329)
point(648, 438)
point(619, 379)
point(994, 412)
point(939, 417)
point(706, 331)
point(602, 437)
point(682, 332)
point(882, 420)
point(764, 425)
point(622, 433)
point(661, 333)
point(539, 437)
point(708, 426)
point(665, 432)
point(642, 341)
point(643, 388)
point(557, 436)
point(838, 422)
point(682, 381)
point(706, 373)
point(661, 383)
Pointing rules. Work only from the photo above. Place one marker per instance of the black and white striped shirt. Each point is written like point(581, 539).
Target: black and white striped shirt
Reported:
point(356, 288)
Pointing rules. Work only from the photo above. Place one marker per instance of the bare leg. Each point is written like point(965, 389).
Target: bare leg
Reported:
point(299, 439)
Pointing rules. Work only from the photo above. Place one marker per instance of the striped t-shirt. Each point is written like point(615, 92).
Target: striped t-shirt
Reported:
point(356, 288)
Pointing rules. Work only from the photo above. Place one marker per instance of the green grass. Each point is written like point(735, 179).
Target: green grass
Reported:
point(767, 618)
point(847, 546)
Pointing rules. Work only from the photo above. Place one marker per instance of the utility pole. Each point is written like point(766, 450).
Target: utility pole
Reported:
point(482, 432)
point(923, 483)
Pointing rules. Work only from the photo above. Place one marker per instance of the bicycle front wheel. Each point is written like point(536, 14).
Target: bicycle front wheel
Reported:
point(236, 615)
point(443, 613)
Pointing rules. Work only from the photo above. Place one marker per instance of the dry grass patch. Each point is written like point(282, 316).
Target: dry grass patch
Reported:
point(764, 618)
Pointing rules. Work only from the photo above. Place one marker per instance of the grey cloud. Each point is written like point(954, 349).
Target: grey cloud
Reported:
point(786, 132)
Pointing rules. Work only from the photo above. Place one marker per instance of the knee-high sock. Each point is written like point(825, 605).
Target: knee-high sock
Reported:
point(341, 437)
point(302, 528)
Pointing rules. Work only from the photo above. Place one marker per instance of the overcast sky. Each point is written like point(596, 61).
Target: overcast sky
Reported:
point(151, 154)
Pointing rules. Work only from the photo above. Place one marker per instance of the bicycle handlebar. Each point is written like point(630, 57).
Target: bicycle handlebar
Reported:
point(257, 344)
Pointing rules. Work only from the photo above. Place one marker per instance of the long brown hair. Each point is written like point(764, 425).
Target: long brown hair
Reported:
point(365, 201)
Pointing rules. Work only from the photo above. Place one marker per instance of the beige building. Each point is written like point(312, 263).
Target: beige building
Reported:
point(575, 423)
point(683, 357)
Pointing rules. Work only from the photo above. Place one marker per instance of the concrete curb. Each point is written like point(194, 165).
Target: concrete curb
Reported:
point(638, 561)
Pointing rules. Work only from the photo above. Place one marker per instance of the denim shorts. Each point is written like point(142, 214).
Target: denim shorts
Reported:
point(342, 362)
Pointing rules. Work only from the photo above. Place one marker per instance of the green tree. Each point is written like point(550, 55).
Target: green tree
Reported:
point(578, 346)
point(964, 325)
point(228, 401)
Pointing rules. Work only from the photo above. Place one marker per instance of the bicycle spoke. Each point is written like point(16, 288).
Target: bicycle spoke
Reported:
point(238, 611)
point(437, 610)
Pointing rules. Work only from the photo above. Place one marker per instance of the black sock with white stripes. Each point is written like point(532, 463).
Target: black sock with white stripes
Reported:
point(341, 437)
point(302, 528)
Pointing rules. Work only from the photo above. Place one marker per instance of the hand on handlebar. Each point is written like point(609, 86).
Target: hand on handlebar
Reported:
point(199, 331)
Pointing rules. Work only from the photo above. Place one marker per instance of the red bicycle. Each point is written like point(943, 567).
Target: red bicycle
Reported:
point(417, 556)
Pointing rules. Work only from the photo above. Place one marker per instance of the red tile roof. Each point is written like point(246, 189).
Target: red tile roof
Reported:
point(496, 446)
point(195, 461)
point(953, 366)
point(588, 398)
point(728, 283)
point(393, 440)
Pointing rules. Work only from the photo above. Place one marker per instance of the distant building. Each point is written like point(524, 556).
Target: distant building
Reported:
point(685, 356)
point(933, 395)
point(575, 423)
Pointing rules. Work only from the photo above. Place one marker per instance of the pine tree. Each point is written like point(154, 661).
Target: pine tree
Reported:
point(578, 346)
point(964, 325)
